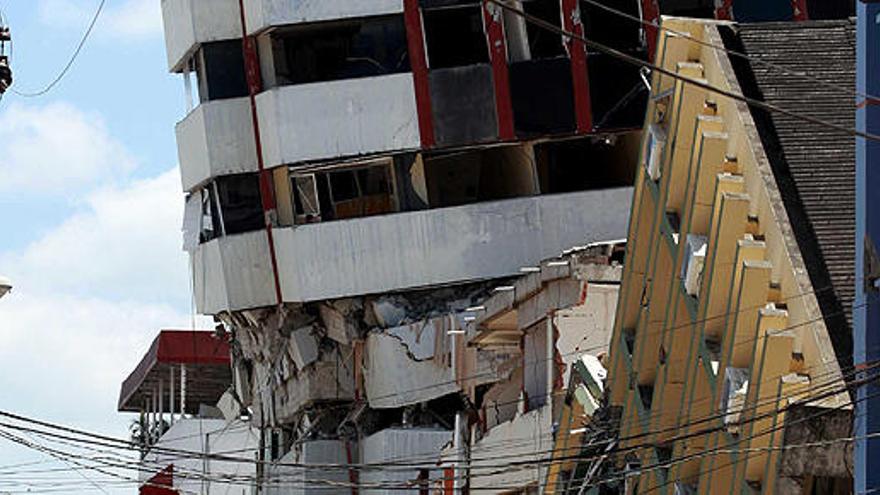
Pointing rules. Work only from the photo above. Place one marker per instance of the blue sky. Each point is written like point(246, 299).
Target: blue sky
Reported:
point(90, 208)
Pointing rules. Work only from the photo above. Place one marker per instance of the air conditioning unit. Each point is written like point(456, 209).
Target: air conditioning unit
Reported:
point(654, 150)
point(692, 268)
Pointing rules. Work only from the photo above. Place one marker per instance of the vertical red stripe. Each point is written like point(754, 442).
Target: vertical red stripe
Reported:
point(725, 11)
point(799, 10)
point(353, 475)
point(577, 51)
point(498, 54)
point(267, 192)
point(418, 61)
point(651, 15)
point(448, 481)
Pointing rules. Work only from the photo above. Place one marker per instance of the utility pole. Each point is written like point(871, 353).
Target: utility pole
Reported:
point(866, 311)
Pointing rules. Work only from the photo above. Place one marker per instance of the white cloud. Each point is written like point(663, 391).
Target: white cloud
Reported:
point(57, 149)
point(124, 244)
point(130, 20)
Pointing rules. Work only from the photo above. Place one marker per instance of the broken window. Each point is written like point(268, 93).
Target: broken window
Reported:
point(544, 43)
point(459, 178)
point(455, 36)
point(336, 194)
point(595, 162)
point(241, 207)
point(604, 26)
point(210, 227)
point(220, 70)
point(340, 50)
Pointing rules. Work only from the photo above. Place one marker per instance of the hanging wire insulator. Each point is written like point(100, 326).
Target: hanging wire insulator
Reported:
point(5, 74)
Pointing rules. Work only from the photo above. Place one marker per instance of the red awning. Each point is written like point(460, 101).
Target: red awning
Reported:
point(160, 484)
point(207, 366)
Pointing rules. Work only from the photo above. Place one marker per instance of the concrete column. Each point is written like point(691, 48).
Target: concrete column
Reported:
point(161, 404)
point(182, 391)
point(171, 380)
point(551, 360)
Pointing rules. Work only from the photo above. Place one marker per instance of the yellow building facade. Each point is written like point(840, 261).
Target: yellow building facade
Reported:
point(719, 332)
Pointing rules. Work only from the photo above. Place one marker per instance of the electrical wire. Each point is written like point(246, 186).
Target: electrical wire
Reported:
point(69, 63)
point(841, 129)
point(751, 58)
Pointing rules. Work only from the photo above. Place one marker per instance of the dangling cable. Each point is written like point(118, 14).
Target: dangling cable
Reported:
point(70, 62)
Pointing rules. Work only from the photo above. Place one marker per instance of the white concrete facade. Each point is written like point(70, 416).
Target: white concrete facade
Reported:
point(264, 14)
point(331, 120)
point(189, 23)
point(233, 272)
point(216, 138)
point(209, 436)
point(286, 479)
point(419, 446)
point(403, 251)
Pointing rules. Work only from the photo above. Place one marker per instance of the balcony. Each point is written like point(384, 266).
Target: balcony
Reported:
point(337, 119)
point(216, 138)
point(189, 23)
point(405, 250)
point(263, 14)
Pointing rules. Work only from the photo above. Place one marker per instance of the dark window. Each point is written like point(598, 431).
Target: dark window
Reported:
point(344, 185)
point(542, 42)
point(341, 50)
point(240, 203)
point(696, 8)
point(347, 193)
point(220, 69)
point(587, 163)
point(455, 36)
point(609, 28)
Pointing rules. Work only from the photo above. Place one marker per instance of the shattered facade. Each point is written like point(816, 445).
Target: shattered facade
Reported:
point(361, 178)
point(379, 199)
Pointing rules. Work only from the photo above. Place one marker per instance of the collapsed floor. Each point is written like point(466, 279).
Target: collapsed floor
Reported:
point(441, 376)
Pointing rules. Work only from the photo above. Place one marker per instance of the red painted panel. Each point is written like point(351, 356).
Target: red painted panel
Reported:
point(160, 484)
point(799, 9)
point(725, 11)
point(577, 51)
point(494, 21)
point(188, 347)
point(651, 15)
point(418, 61)
point(267, 190)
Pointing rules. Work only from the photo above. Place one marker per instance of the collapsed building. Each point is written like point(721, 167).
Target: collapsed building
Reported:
point(371, 188)
point(359, 176)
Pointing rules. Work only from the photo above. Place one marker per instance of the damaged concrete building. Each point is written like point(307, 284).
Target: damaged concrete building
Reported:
point(361, 178)
point(379, 199)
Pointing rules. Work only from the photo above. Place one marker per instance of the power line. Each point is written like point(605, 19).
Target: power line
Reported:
point(70, 62)
point(687, 80)
point(751, 58)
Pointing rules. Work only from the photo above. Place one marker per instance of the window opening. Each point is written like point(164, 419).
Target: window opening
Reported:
point(338, 194)
point(220, 70)
point(240, 203)
point(542, 42)
point(305, 199)
point(341, 50)
point(455, 36)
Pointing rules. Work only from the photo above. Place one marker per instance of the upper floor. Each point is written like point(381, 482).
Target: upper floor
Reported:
point(404, 222)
